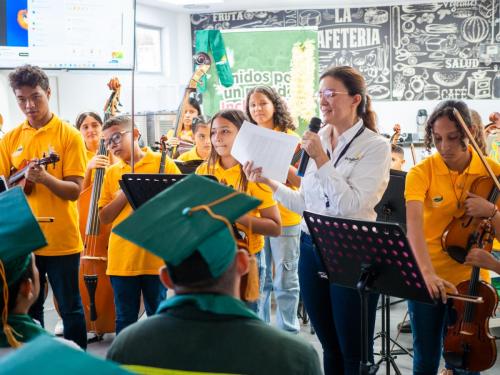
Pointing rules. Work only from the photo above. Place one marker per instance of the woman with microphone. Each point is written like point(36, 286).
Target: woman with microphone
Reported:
point(346, 176)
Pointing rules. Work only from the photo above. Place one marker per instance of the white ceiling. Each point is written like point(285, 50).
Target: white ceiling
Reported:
point(231, 5)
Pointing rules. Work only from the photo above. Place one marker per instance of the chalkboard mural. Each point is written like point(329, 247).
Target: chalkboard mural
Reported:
point(405, 52)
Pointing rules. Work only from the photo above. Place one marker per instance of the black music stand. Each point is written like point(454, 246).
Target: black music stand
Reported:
point(187, 167)
point(391, 208)
point(371, 257)
point(139, 188)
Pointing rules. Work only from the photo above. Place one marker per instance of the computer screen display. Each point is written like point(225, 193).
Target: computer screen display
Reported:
point(67, 34)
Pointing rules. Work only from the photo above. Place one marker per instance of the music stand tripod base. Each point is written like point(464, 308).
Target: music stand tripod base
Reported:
point(366, 279)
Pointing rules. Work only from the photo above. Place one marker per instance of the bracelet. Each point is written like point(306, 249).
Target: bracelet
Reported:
point(495, 210)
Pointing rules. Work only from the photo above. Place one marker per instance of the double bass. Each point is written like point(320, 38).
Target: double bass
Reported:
point(95, 286)
point(468, 344)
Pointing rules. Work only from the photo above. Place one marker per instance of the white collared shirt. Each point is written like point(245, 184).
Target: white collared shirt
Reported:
point(350, 190)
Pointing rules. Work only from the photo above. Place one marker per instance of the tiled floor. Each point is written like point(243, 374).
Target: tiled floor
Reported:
point(403, 362)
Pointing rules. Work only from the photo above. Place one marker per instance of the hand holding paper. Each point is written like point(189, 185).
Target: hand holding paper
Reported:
point(269, 149)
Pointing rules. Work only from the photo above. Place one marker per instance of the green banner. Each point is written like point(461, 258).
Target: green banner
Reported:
point(285, 59)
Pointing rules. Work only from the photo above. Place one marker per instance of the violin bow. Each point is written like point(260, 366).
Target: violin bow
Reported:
point(461, 121)
point(413, 153)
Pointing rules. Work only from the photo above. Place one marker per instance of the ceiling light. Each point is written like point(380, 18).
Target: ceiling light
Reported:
point(193, 2)
point(196, 6)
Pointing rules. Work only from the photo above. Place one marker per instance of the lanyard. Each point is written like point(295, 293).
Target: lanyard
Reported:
point(346, 147)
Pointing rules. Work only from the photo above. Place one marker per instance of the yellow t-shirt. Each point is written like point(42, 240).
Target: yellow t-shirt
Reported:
point(90, 154)
point(288, 217)
point(430, 182)
point(125, 258)
point(231, 177)
point(190, 155)
point(186, 135)
point(27, 143)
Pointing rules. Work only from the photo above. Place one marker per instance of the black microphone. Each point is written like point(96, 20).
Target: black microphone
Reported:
point(314, 126)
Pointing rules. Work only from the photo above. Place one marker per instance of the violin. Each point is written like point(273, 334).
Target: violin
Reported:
point(413, 154)
point(468, 344)
point(95, 285)
point(203, 61)
point(18, 178)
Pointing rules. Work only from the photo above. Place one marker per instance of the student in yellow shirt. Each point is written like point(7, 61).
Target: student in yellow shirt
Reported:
point(191, 111)
point(266, 108)
point(54, 194)
point(437, 190)
point(265, 220)
point(202, 145)
point(90, 126)
point(132, 270)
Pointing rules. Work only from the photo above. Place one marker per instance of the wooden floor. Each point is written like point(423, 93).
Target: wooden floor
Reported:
point(403, 362)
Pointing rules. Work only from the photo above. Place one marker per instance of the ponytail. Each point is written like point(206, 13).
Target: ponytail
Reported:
point(367, 114)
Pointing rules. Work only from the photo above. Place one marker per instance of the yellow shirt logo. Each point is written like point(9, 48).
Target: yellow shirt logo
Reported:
point(437, 200)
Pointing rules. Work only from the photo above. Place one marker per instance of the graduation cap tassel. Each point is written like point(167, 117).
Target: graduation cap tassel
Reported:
point(251, 292)
point(7, 329)
point(207, 208)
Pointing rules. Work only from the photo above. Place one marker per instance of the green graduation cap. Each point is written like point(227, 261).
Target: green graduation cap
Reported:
point(20, 233)
point(47, 355)
point(189, 226)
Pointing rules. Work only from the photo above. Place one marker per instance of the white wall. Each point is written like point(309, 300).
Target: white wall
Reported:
point(405, 113)
point(86, 90)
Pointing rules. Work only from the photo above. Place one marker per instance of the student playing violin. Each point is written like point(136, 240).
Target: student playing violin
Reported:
point(437, 191)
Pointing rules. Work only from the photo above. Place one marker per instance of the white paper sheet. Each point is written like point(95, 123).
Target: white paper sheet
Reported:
point(269, 149)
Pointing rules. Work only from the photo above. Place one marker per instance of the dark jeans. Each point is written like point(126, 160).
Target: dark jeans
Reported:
point(127, 291)
point(428, 325)
point(62, 272)
point(335, 314)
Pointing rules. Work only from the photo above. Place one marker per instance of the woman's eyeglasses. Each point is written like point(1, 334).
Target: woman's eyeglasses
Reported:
point(115, 138)
point(329, 93)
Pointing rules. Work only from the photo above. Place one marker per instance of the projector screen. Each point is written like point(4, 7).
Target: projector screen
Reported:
point(67, 34)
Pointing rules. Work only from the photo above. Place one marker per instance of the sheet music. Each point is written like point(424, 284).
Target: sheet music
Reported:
point(269, 149)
